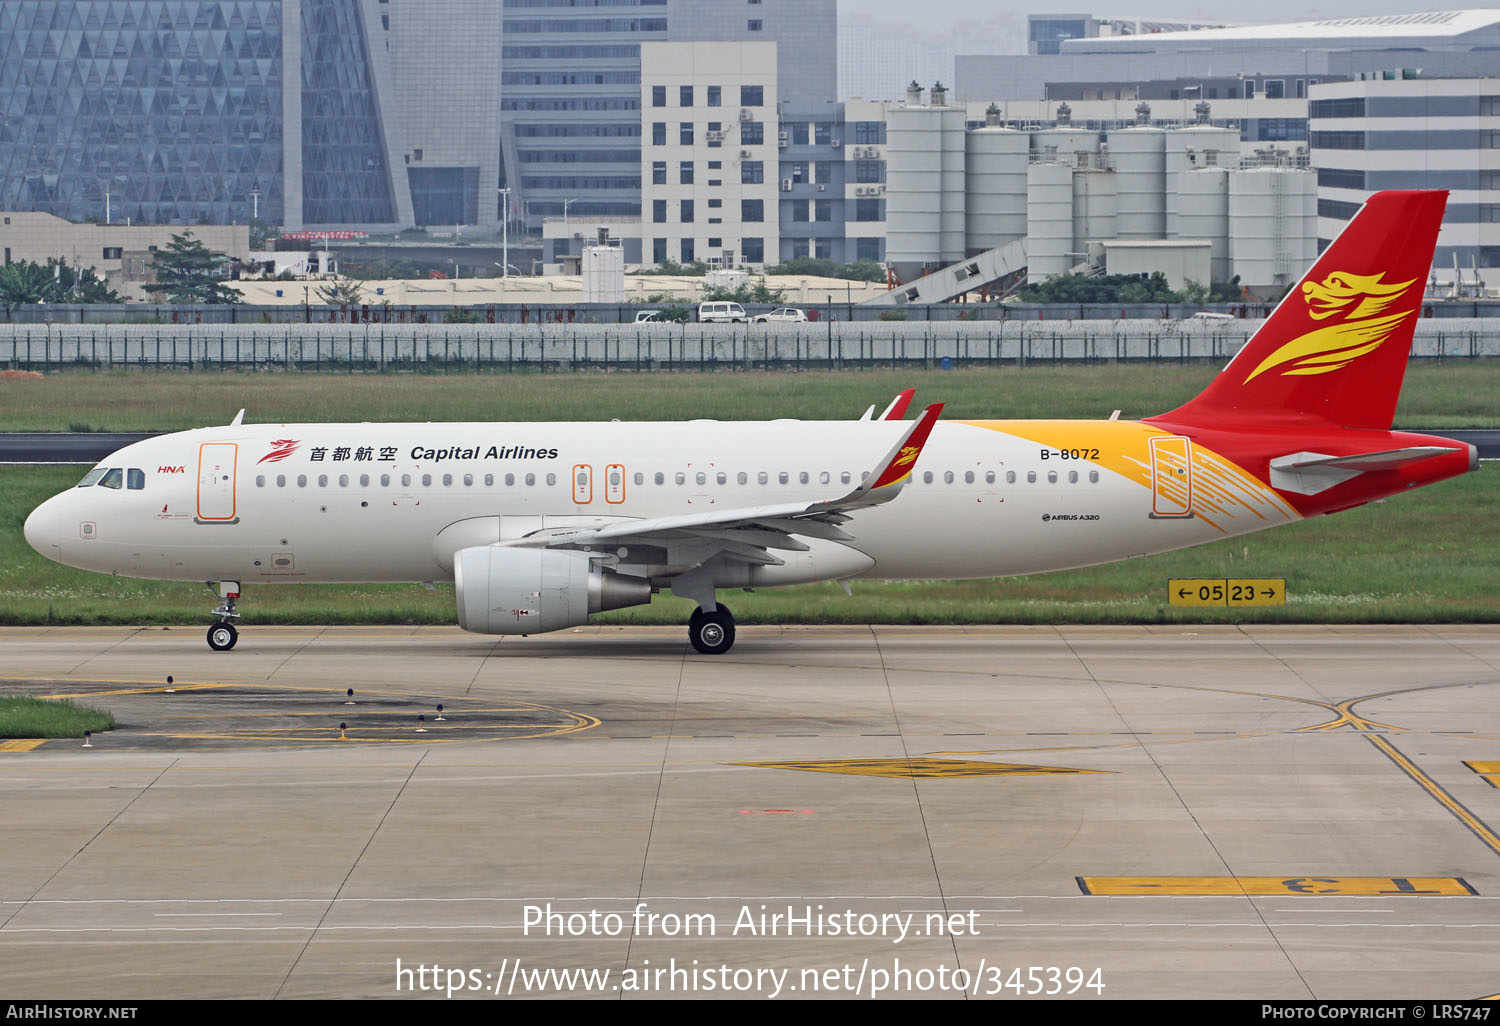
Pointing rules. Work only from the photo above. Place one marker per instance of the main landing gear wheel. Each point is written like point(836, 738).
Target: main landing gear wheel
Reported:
point(222, 636)
point(712, 633)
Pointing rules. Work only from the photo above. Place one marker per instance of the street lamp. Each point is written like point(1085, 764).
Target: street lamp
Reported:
point(575, 199)
point(505, 231)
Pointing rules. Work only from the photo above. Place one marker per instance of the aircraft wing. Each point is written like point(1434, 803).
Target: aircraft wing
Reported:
point(748, 532)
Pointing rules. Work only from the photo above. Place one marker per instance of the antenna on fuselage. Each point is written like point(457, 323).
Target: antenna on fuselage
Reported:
point(238, 419)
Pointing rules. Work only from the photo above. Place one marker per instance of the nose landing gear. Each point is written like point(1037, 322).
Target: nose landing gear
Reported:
point(223, 635)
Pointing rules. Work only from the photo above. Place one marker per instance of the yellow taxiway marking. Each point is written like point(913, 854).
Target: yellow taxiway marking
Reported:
point(917, 767)
point(1349, 718)
point(22, 744)
point(1489, 771)
point(1266, 886)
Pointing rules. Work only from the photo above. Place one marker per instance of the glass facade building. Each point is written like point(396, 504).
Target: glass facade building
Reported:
point(166, 111)
point(177, 111)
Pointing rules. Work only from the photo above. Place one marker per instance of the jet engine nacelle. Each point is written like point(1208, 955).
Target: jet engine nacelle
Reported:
point(505, 590)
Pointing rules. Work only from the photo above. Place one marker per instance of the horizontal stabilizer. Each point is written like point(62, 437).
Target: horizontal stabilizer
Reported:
point(1309, 473)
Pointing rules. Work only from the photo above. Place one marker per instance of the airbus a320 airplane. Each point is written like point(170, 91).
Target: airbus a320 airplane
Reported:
point(540, 525)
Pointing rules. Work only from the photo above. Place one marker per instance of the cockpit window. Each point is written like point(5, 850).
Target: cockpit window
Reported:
point(135, 479)
point(114, 478)
point(92, 477)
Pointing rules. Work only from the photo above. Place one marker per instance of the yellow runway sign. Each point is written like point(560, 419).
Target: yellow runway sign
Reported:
point(1267, 886)
point(1232, 591)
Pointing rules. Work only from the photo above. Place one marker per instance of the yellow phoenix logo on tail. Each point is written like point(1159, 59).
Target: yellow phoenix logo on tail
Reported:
point(908, 455)
point(1362, 298)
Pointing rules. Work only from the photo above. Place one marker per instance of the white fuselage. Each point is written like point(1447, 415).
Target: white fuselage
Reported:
point(393, 502)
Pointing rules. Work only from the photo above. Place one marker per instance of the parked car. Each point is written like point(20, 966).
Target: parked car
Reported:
point(719, 312)
point(646, 315)
point(782, 314)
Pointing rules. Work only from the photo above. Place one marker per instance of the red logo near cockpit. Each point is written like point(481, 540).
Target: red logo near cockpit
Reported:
point(281, 449)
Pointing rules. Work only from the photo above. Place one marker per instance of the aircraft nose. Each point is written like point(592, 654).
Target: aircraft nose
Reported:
point(42, 529)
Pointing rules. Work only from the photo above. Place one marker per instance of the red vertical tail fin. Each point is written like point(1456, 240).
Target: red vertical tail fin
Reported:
point(1336, 347)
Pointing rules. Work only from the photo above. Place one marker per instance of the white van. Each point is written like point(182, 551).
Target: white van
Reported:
point(719, 312)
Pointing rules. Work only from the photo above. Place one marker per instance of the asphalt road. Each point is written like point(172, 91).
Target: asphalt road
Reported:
point(65, 447)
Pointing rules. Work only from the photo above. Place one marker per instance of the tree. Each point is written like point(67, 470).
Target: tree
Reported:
point(23, 283)
point(27, 282)
point(341, 292)
point(1109, 288)
point(78, 285)
point(188, 272)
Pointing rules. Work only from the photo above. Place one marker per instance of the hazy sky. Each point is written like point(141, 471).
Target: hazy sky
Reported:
point(939, 15)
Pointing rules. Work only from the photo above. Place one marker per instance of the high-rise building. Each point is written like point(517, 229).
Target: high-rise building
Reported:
point(571, 88)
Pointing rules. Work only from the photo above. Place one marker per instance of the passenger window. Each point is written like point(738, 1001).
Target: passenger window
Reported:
point(530, 480)
point(927, 477)
point(1093, 477)
point(343, 480)
point(426, 480)
point(364, 480)
point(92, 477)
point(489, 480)
point(405, 480)
point(1010, 477)
point(260, 481)
point(468, 480)
point(385, 480)
point(112, 478)
point(1072, 477)
point(322, 480)
point(135, 479)
point(280, 481)
point(722, 478)
point(844, 478)
point(947, 477)
point(1031, 477)
point(824, 477)
point(640, 478)
point(742, 477)
point(701, 477)
point(989, 477)
point(510, 480)
point(301, 480)
point(762, 477)
point(782, 477)
point(660, 478)
point(802, 477)
point(968, 477)
point(1052, 477)
point(447, 480)
point(552, 479)
point(681, 478)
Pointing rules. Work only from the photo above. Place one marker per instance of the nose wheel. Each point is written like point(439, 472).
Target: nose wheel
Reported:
point(223, 635)
point(712, 633)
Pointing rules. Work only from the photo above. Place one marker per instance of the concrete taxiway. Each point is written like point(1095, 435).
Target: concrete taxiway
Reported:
point(1273, 812)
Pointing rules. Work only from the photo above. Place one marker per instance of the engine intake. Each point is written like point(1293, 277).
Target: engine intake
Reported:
point(505, 590)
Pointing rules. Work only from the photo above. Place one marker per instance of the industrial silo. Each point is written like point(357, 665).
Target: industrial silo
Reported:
point(1272, 227)
point(995, 186)
point(1139, 160)
point(1094, 202)
point(1198, 208)
point(1049, 218)
point(954, 222)
point(913, 197)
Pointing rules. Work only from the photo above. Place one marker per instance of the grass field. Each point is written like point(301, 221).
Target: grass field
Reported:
point(22, 717)
point(1452, 393)
point(1432, 555)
